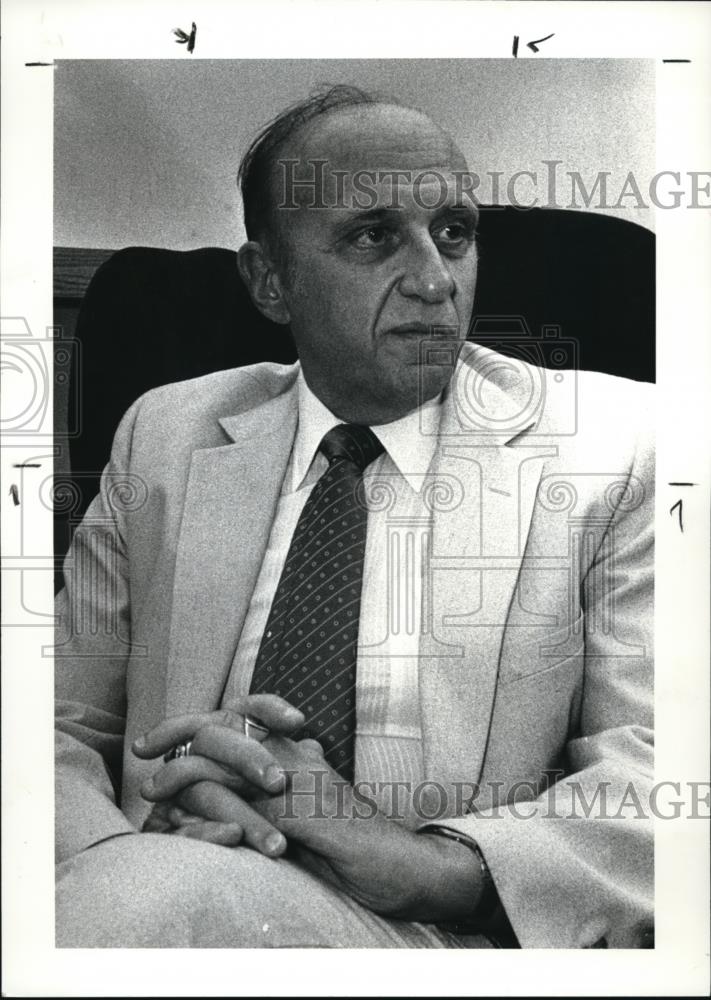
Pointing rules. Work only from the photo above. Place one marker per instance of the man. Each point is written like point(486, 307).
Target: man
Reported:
point(386, 612)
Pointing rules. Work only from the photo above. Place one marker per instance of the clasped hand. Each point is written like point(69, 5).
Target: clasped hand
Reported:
point(233, 789)
point(209, 794)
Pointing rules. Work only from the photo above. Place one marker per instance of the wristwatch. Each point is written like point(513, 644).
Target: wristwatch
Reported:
point(489, 901)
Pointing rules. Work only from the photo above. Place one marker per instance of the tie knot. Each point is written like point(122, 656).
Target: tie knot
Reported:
point(353, 443)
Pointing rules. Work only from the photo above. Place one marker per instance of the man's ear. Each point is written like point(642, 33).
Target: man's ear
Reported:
point(263, 282)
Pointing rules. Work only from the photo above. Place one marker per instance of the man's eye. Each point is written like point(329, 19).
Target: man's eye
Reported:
point(453, 234)
point(373, 236)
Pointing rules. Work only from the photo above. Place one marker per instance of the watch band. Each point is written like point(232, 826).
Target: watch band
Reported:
point(489, 901)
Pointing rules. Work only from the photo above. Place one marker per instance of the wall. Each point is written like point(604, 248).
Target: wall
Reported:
point(146, 152)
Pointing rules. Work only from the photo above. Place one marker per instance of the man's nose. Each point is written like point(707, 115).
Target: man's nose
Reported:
point(426, 276)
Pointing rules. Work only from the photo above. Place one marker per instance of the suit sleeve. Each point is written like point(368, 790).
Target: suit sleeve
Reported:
point(574, 867)
point(91, 654)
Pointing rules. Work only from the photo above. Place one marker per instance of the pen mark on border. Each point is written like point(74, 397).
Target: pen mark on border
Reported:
point(533, 46)
point(680, 506)
point(183, 38)
point(15, 494)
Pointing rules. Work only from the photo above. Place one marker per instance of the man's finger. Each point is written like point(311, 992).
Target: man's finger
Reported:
point(166, 734)
point(312, 747)
point(274, 712)
point(245, 757)
point(277, 714)
point(158, 820)
point(179, 816)
point(214, 802)
point(223, 756)
point(170, 779)
point(223, 834)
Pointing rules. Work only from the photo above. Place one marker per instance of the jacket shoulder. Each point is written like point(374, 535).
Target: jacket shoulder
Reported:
point(190, 410)
point(172, 421)
point(593, 403)
point(224, 392)
point(608, 422)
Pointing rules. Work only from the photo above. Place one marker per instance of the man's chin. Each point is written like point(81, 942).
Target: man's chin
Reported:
point(414, 388)
point(431, 380)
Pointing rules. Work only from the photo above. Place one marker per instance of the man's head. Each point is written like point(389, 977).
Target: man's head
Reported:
point(361, 236)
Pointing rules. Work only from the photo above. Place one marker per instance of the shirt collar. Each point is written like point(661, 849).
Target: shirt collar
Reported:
point(410, 441)
point(314, 421)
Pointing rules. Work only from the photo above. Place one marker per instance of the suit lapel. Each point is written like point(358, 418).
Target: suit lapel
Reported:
point(477, 549)
point(476, 552)
point(230, 503)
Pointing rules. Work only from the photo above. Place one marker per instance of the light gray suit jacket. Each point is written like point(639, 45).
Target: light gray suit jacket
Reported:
point(535, 665)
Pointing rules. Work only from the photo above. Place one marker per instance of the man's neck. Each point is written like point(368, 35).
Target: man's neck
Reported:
point(372, 413)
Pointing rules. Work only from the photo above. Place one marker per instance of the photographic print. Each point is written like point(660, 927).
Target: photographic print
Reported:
point(342, 438)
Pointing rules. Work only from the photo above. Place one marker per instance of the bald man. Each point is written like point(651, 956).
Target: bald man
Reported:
point(362, 684)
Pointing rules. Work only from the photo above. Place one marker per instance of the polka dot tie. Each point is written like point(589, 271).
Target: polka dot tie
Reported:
point(308, 650)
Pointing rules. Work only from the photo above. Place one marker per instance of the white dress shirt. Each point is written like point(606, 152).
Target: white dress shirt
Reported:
point(388, 746)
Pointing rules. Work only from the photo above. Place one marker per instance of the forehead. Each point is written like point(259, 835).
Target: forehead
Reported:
point(376, 137)
point(403, 150)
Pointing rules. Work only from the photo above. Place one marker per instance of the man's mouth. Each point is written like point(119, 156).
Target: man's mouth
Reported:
point(434, 330)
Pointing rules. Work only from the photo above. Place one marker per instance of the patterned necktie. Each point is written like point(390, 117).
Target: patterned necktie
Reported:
point(308, 650)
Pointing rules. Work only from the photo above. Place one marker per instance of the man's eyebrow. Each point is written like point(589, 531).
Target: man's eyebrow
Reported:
point(461, 210)
point(369, 215)
point(392, 213)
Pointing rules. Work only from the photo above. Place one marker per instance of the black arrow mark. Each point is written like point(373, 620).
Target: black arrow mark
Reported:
point(183, 38)
point(533, 46)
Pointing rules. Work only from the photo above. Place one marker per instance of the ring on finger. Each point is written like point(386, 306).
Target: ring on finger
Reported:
point(179, 750)
point(255, 728)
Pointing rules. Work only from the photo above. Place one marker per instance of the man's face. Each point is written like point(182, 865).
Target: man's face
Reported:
point(369, 280)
